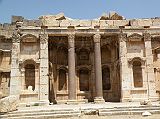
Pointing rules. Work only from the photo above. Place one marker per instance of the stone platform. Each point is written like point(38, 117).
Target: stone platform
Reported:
point(81, 111)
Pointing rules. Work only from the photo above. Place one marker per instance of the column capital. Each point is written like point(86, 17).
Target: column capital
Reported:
point(71, 37)
point(43, 38)
point(97, 38)
point(122, 37)
point(16, 37)
point(147, 36)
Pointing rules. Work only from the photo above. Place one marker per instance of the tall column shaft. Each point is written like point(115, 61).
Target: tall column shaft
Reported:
point(44, 82)
point(98, 69)
point(71, 68)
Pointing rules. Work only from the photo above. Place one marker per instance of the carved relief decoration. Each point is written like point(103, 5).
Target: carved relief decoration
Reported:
point(44, 38)
point(122, 37)
point(147, 36)
point(16, 37)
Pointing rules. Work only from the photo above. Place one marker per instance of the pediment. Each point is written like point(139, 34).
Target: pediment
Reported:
point(29, 38)
point(135, 37)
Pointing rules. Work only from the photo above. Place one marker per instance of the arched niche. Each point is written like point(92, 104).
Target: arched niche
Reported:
point(30, 76)
point(106, 80)
point(84, 76)
point(62, 79)
point(137, 64)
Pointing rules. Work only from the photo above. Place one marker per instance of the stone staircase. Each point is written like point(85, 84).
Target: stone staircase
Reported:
point(78, 112)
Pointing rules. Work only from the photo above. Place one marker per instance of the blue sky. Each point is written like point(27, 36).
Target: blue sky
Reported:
point(80, 9)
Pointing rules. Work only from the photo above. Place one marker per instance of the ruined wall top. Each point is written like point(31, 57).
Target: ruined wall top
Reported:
point(111, 20)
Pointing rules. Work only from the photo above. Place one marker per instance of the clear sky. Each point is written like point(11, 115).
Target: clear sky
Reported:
point(79, 9)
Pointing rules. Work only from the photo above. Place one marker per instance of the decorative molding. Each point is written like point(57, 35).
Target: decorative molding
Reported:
point(131, 60)
point(147, 37)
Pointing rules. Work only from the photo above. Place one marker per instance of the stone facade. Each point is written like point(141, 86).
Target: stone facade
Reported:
point(61, 60)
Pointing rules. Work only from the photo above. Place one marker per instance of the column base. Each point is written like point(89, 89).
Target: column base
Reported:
point(99, 100)
point(70, 102)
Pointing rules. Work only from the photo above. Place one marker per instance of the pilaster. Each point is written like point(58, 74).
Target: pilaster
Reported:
point(15, 82)
point(124, 71)
point(149, 68)
point(44, 80)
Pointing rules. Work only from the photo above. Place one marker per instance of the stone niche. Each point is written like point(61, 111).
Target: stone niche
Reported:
point(29, 47)
point(135, 46)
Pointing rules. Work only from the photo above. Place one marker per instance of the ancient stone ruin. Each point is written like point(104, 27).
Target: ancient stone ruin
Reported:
point(62, 60)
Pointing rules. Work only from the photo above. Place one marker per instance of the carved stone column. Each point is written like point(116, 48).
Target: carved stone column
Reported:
point(15, 82)
point(98, 69)
point(124, 70)
point(71, 68)
point(44, 79)
point(149, 68)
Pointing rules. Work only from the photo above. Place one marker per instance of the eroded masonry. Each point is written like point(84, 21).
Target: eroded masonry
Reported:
point(62, 60)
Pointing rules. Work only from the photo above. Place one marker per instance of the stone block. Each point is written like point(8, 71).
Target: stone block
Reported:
point(43, 71)
point(65, 23)
point(44, 54)
point(50, 22)
point(9, 104)
point(95, 23)
point(44, 63)
point(156, 22)
point(106, 23)
point(141, 22)
point(120, 22)
point(85, 23)
point(14, 72)
point(44, 46)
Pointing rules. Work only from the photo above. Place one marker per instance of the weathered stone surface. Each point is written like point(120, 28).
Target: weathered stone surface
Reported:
point(141, 22)
point(156, 22)
point(9, 104)
point(120, 22)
